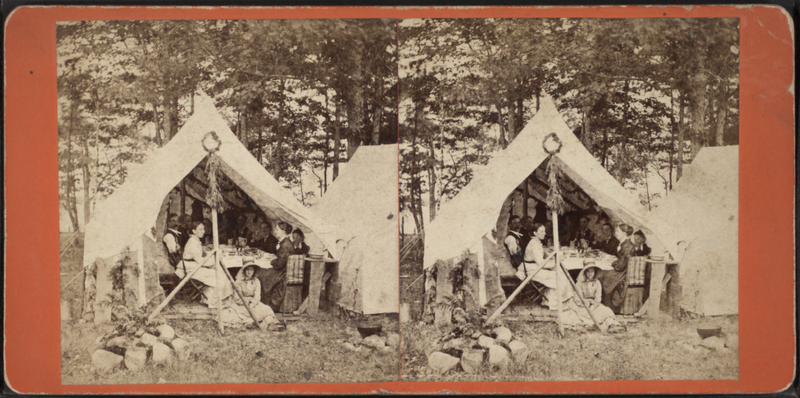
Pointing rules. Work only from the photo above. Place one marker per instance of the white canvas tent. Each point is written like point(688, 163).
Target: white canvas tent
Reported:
point(463, 222)
point(702, 210)
point(363, 205)
point(121, 223)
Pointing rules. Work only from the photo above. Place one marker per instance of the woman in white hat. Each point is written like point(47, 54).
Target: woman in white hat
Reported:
point(592, 292)
point(250, 287)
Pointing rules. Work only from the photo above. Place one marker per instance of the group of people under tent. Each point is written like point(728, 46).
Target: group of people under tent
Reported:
point(603, 290)
point(187, 243)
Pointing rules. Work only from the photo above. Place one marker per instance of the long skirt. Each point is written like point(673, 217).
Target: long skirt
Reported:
point(576, 316)
point(208, 277)
point(237, 315)
point(272, 287)
point(547, 277)
point(615, 287)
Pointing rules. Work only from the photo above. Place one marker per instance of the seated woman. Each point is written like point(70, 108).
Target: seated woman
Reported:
point(534, 260)
point(193, 257)
point(236, 314)
point(299, 245)
point(591, 290)
point(615, 281)
point(272, 286)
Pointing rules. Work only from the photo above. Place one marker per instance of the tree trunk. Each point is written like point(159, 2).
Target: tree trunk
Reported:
point(158, 139)
point(87, 177)
point(512, 120)
point(681, 140)
point(722, 116)
point(502, 140)
point(355, 105)
point(376, 124)
point(243, 130)
point(337, 142)
point(585, 135)
point(431, 166)
point(72, 209)
point(277, 164)
point(327, 146)
point(168, 118)
point(699, 103)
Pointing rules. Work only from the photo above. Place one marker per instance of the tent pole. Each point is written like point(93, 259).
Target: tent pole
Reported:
point(241, 296)
point(516, 292)
point(558, 265)
point(583, 300)
point(216, 268)
point(178, 288)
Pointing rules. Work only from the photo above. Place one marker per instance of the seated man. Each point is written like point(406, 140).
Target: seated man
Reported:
point(607, 242)
point(582, 232)
point(267, 242)
point(526, 232)
point(172, 240)
point(512, 242)
point(640, 247)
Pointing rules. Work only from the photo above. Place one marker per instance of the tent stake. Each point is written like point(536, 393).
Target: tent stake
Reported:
point(178, 288)
point(519, 289)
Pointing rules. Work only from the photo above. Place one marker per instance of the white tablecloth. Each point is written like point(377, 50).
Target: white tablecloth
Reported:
point(263, 260)
point(603, 262)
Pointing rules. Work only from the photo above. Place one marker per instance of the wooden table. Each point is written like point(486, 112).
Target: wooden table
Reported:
point(315, 282)
point(658, 269)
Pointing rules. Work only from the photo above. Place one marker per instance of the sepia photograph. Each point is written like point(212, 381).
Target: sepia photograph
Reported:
point(569, 199)
point(228, 201)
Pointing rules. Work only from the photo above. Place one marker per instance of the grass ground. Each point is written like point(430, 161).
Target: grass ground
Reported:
point(650, 350)
point(663, 349)
point(308, 351)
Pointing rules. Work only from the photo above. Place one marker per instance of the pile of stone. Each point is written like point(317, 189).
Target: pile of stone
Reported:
point(722, 344)
point(381, 342)
point(133, 347)
point(495, 350)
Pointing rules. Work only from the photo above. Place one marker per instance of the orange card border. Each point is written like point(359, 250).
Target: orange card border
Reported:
point(766, 198)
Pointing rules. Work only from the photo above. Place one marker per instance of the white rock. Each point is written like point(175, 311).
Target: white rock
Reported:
point(714, 343)
point(374, 341)
point(471, 360)
point(349, 346)
point(105, 361)
point(161, 354)
point(519, 351)
point(148, 339)
point(135, 358)
point(441, 362)
point(503, 335)
point(485, 341)
point(182, 348)
point(498, 357)
point(165, 333)
point(393, 340)
point(458, 344)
